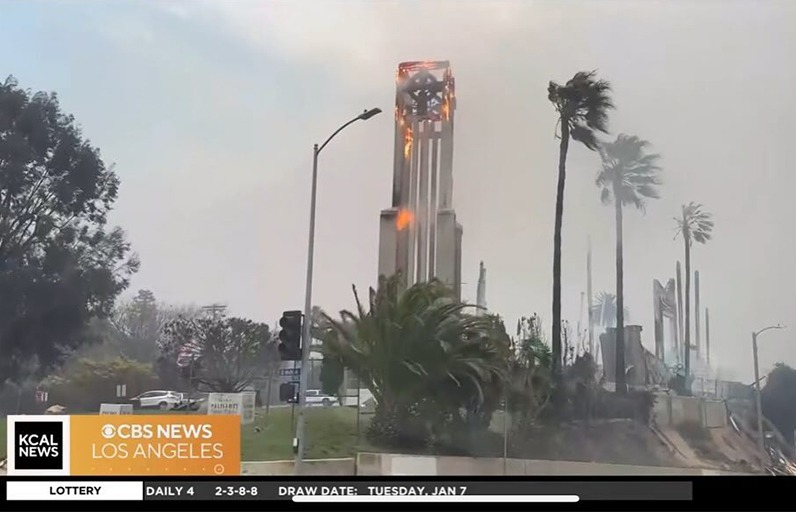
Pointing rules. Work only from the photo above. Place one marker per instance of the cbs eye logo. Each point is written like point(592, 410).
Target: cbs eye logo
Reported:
point(108, 431)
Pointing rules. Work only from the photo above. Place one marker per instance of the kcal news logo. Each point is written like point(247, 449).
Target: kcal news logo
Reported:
point(38, 445)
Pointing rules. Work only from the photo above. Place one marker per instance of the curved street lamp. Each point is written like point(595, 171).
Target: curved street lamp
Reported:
point(758, 402)
point(299, 441)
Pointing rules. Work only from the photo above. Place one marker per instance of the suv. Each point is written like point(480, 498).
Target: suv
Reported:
point(163, 400)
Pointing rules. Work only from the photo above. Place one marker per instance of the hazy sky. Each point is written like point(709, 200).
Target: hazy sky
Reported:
point(210, 108)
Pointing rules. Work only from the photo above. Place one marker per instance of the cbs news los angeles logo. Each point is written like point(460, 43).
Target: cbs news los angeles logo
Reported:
point(124, 445)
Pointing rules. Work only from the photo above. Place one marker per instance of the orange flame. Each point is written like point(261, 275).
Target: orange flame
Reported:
point(446, 108)
point(407, 142)
point(404, 219)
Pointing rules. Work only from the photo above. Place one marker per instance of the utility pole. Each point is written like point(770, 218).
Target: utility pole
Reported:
point(680, 318)
point(696, 311)
point(761, 435)
point(590, 296)
point(300, 441)
point(707, 336)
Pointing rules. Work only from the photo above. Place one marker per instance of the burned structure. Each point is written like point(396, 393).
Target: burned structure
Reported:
point(665, 308)
point(419, 235)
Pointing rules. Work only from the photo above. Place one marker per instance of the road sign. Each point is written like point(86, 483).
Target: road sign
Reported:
point(232, 403)
point(289, 372)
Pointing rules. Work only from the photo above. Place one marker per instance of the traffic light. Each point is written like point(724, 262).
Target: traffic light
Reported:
point(287, 392)
point(290, 336)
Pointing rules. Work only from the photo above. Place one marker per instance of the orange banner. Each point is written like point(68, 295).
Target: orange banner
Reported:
point(156, 445)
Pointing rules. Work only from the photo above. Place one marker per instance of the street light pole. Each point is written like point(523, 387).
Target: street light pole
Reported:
point(761, 443)
point(299, 442)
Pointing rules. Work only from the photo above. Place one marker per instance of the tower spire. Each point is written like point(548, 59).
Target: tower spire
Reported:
point(481, 293)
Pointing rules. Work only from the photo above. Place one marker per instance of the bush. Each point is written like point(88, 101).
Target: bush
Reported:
point(19, 398)
point(86, 384)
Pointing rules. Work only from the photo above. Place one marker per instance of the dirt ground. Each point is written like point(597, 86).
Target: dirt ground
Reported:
point(612, 441)
point(632, 442)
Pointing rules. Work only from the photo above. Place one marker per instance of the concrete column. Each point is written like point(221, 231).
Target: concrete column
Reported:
point(432, 208)
point(446, 247)
point(422, 203)
point(412, 228)
point(446, 167)
point(457, 262)
point(388, 242)
point(398, 163)
point(680, 318)
point(658, 316)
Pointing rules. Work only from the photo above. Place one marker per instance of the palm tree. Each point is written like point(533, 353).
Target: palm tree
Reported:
point(604, 309)
point(582, 105)
point(628, 177)
point(694, 225)
point(419, 352)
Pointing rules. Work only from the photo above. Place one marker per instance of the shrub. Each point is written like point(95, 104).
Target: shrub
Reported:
point(86, 384)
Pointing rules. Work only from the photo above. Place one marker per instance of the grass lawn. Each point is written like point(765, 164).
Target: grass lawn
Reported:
point(331, 432)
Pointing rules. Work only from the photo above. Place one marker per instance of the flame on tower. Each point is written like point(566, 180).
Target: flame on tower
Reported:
point(404, 219)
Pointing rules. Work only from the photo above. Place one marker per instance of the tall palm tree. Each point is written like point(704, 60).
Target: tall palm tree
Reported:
point(582, 105)
point(628, 177)
point(604, 309)
point(694, 225)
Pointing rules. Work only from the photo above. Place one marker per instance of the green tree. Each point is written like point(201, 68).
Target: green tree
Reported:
point(332, 375)
point(138, 325)
point(778, 399)
point(582, 105)
point(529, 383)
point(694, 225)
point(422, 356)
point(83, 384)
point(231, 353)
point(628, 177)
point(60, 264)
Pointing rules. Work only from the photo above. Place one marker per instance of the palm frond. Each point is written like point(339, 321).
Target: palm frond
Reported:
point(419, 342)
point(583, 103)
point(604, 309)
point(628, 172)
point(694, 224)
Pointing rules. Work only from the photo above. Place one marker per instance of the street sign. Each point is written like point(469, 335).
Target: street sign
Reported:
point(232, 403)
point(289, 372)
point(116, 409)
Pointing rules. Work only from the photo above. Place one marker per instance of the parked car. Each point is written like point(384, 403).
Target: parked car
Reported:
point(190, 403)
point(315, 398)
point(159, 399)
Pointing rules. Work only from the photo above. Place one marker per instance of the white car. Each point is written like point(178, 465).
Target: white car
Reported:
point(160, 399)
point(315, 397)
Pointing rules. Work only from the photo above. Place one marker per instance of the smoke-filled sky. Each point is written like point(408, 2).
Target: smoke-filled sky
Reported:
point(210, 108)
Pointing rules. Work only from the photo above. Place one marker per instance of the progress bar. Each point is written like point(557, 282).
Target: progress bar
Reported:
point(519, 498)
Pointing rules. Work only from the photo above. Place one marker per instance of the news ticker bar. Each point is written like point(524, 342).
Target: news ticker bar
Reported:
point(355, 491)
